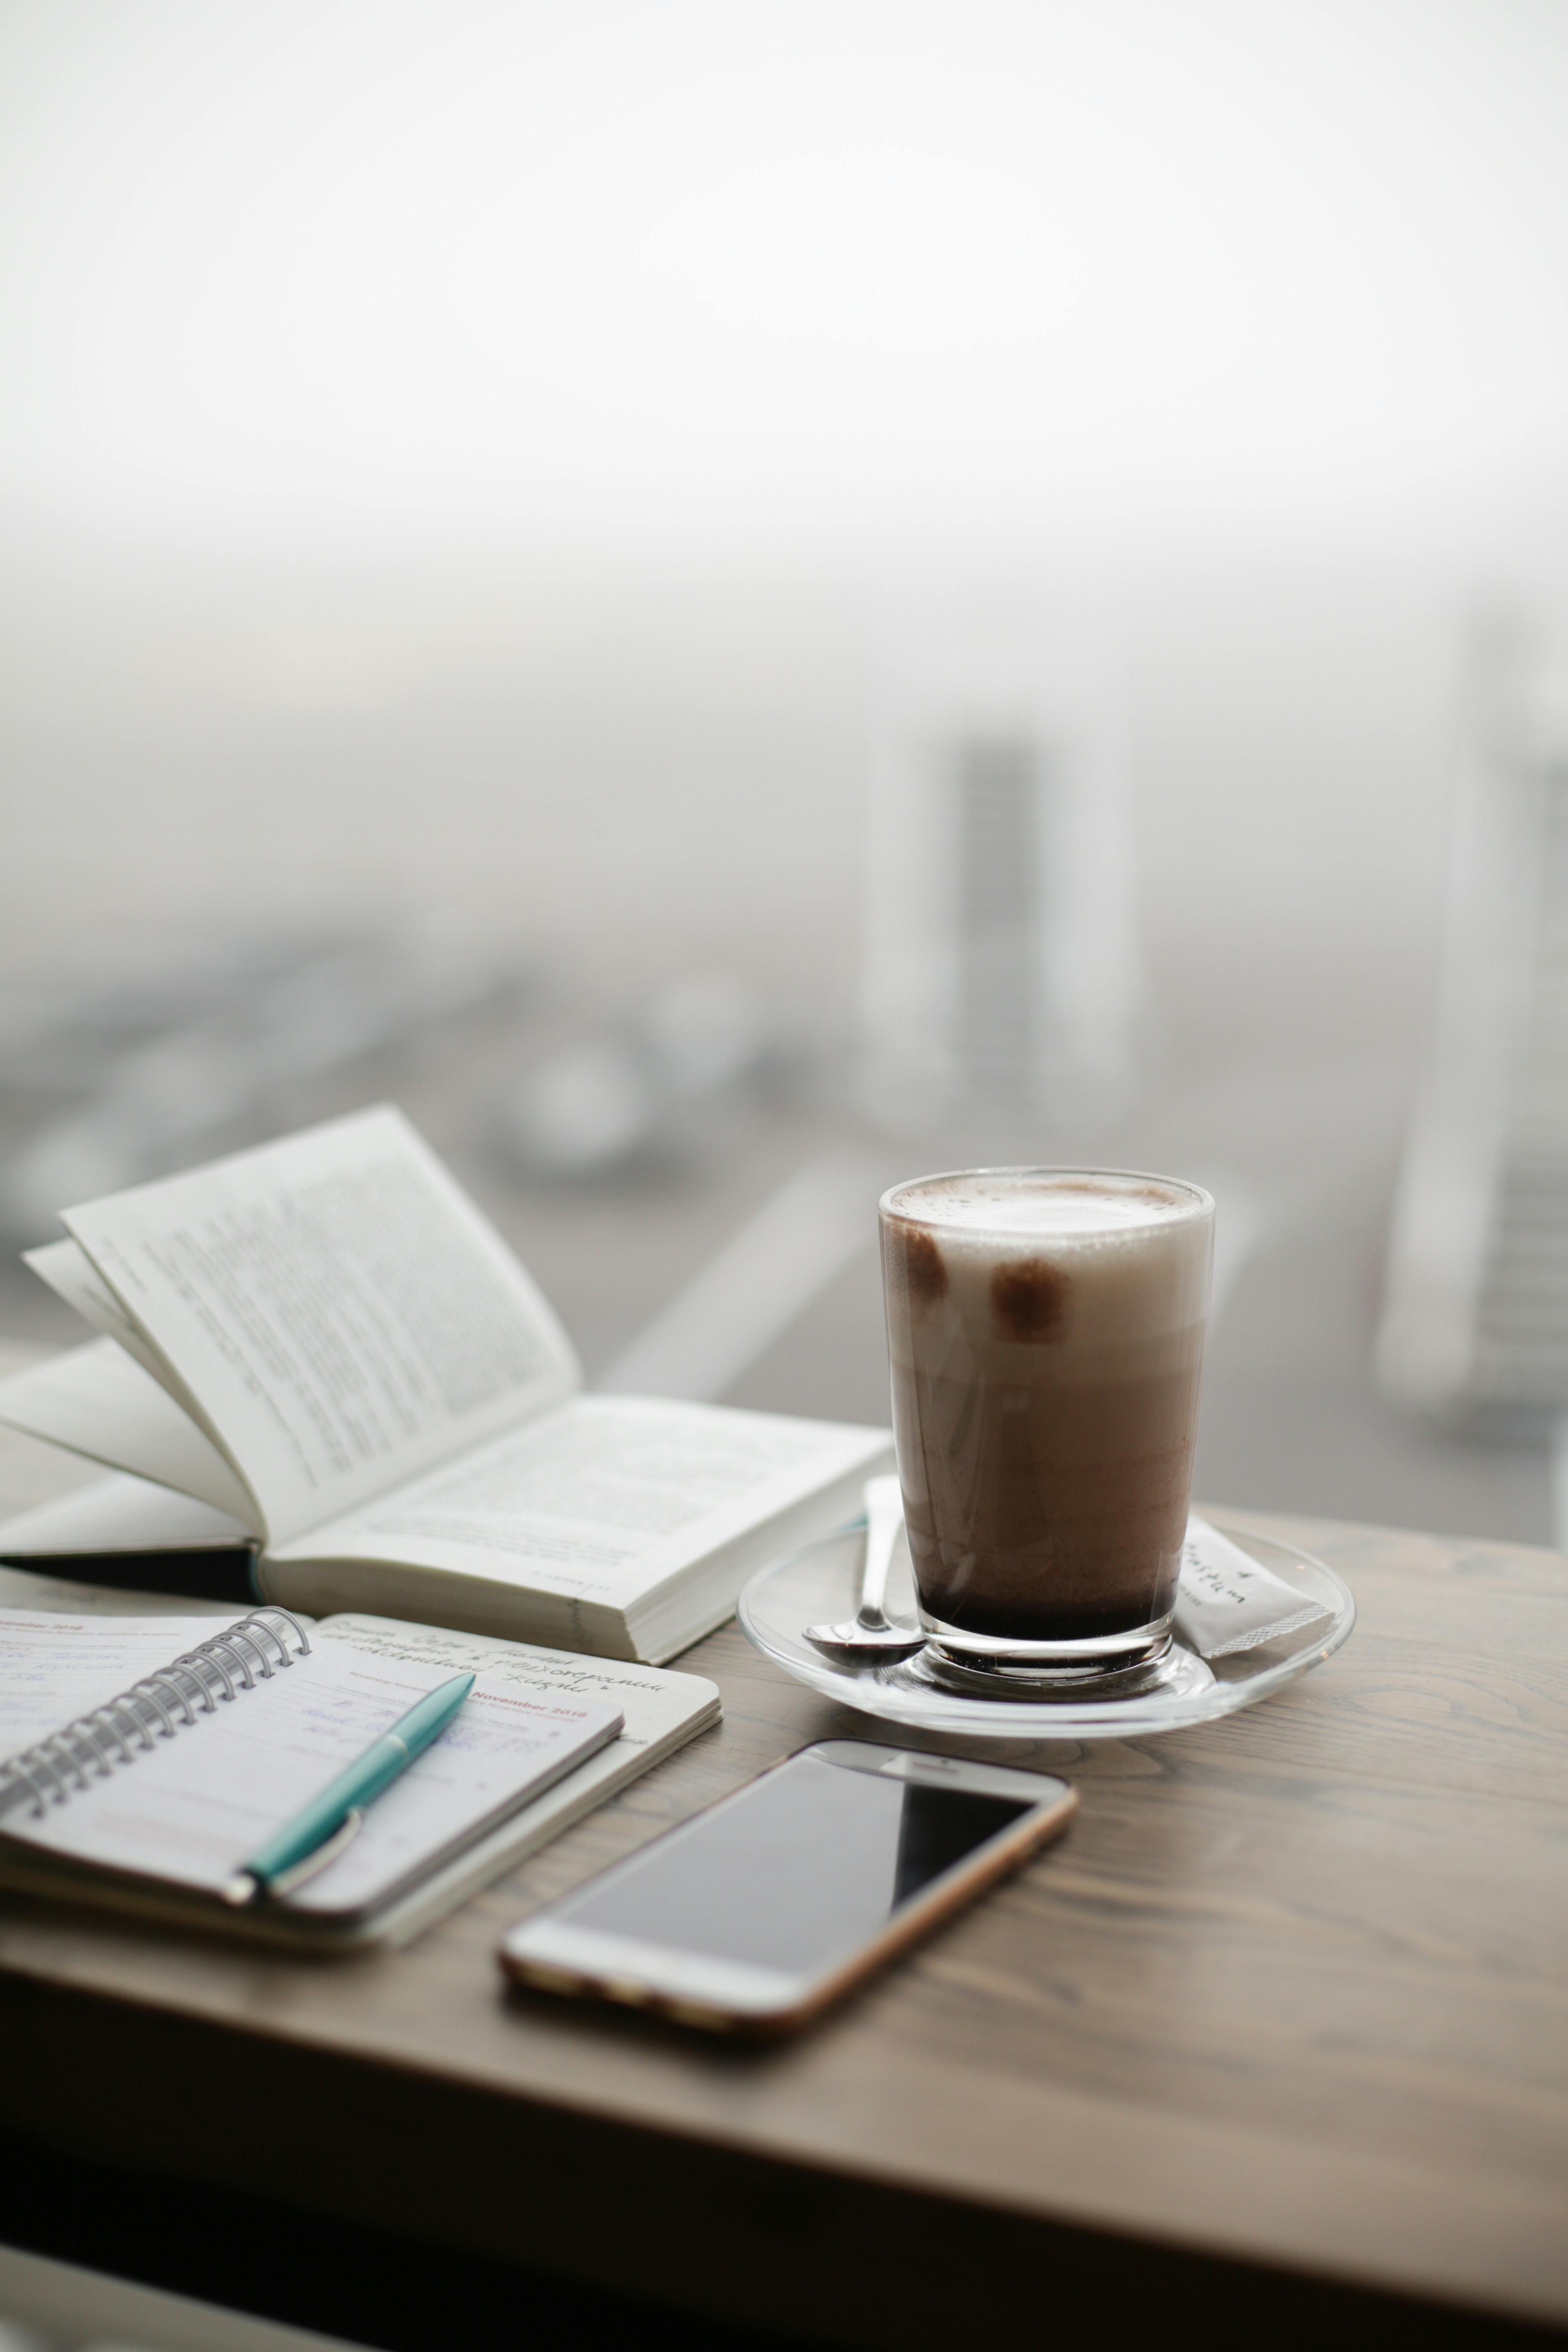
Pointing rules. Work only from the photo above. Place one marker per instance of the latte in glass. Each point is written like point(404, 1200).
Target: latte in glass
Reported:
point(1046, 1332)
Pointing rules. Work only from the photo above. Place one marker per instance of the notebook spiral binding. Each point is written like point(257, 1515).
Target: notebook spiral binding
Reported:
point(156, 1708)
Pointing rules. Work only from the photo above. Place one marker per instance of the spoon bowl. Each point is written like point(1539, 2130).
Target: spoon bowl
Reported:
point(871, 1631)
point(850, 1637)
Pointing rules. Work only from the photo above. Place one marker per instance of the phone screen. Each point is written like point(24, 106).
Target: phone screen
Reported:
point(801, 1869)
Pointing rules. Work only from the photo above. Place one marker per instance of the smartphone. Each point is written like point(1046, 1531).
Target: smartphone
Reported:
point(754, 1914)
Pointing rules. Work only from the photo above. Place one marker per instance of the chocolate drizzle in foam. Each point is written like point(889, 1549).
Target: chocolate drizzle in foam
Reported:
point(1029, 1300)
point(925, 1272)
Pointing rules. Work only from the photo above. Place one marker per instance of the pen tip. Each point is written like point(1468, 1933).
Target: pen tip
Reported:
point(241, 1888)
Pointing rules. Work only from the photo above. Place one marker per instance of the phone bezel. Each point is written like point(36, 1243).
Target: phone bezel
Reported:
point(701, 1989)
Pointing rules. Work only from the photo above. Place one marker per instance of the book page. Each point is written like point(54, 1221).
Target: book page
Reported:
point(192, 1809)
point(339, 1305)
point(95, 1401)
point(118, 1514)
point(601, 1499)
point(71, 1274)
point(29, 1590)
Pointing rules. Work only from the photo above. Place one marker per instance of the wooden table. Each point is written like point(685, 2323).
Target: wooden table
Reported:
point(1274, 2044)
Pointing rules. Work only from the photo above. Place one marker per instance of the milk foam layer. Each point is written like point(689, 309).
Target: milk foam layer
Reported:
point(1085, 1263)
point(1061, 1205)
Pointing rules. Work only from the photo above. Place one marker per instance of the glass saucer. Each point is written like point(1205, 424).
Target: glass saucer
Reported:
point(821, 1584)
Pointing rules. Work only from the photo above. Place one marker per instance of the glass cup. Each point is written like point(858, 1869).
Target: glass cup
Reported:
point(1046, 1334)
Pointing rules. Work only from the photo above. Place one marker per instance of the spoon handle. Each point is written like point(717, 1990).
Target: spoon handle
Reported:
point(884, 1518)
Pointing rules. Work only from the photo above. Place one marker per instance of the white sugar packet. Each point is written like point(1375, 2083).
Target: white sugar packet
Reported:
point(1227, 1602)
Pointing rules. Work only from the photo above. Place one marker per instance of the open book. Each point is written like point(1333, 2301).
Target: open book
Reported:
point(155, 1756)
point(325, 1341)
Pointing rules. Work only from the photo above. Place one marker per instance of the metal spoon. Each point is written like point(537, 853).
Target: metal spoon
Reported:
point(870, 1630)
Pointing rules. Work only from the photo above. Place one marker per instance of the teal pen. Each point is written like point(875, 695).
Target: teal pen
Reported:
point(341, 1802)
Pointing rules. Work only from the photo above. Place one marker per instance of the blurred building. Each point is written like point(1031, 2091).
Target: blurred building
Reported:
point(1475, 1317)
point(1000, 953)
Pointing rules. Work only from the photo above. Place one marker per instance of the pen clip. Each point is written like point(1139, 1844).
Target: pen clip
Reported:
point(249, 1889)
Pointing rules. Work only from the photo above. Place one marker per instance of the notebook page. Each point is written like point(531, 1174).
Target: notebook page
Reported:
point(53, 1667)
point(662, 1710)
point(345, 1315)
point(194, 1809)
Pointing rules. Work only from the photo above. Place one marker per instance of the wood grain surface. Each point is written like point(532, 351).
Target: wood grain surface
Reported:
point(1277, 2038)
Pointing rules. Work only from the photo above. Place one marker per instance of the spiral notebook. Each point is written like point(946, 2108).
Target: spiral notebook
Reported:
point(143, 1758)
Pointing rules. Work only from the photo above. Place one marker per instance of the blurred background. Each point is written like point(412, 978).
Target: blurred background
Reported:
point(735, 602)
